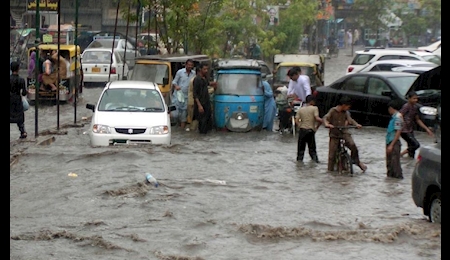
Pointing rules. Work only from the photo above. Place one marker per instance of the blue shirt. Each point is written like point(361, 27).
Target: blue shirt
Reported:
point(396, 123)
point(182, 79)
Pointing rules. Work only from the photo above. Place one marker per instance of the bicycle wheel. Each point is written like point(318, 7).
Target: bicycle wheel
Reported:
point(348, 163)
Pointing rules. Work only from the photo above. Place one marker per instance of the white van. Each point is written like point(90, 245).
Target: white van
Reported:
point(362, 58)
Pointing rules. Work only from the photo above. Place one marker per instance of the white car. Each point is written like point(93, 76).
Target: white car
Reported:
point(130, 112)
point(362, 58)
point(432, 47)
point(388, 65)
point(119, 46)
point(429, 56)
point(96, 63)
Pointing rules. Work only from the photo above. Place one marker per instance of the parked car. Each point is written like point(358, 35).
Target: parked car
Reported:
point(415, 70)
point(426, 180)
point(363, 57)
point(437, 51)
point(431, 47)
point(130, 112)
point(429, 56)
point(388, 65)
point(119, 45)
point(97, 65)
point(372, 91)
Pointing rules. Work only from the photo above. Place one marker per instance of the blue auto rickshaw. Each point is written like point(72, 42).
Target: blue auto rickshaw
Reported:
point(239, 97)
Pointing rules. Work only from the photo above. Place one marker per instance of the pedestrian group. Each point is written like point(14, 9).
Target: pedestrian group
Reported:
point(191, 94)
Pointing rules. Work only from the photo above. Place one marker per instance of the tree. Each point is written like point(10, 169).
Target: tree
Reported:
point(374, 14)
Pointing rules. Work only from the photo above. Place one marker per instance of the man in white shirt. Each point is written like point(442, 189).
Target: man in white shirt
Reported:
point(299, 86)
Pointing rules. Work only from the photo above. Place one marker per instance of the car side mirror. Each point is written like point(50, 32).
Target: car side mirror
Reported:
point(386, 93)
point(165, 81)
point(91, 107)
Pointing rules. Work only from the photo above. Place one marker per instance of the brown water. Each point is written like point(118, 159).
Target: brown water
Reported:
point(221, 196)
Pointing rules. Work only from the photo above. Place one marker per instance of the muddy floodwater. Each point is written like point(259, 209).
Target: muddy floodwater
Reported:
point(221, 196)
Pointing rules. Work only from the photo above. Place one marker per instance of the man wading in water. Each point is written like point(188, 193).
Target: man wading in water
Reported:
point(202, 108)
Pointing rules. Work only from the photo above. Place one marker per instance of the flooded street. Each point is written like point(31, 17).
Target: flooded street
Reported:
point(221, 196)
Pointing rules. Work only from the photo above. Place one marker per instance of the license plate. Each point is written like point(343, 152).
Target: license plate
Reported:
point(95, 69)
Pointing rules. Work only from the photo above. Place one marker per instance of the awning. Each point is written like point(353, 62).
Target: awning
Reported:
point(24, 32)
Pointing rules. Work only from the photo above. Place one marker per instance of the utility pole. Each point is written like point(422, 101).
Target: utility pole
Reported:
point(36, 74)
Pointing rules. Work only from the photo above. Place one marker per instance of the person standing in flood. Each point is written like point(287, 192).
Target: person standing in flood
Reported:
point(270, 108)
point(17, 89)
point(308, 121)
point(31, 66)
point(190, 105)
point(410, 112)
point(393, 144)
point(181, 87)
point(202, 108)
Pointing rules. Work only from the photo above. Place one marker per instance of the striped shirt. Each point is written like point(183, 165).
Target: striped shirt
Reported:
point(396, 123)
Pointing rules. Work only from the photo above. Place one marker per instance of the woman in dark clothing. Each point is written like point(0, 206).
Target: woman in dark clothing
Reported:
point(17, 90)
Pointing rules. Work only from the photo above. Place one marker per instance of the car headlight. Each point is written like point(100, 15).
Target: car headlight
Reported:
point(430, 111)
point(101, 129)
point(159, 130)
point(239, 116)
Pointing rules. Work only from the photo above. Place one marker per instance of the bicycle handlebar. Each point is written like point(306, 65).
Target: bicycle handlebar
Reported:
point(345, 127)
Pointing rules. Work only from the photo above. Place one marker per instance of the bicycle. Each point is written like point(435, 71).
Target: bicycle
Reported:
point(296, 105)
point(343, 159)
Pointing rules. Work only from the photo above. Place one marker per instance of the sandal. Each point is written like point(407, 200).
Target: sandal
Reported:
point(23, 135)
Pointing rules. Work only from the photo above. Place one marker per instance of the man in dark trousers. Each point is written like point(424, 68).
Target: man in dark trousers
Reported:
point(202, 103)
point(17, 89)
point(308, 120)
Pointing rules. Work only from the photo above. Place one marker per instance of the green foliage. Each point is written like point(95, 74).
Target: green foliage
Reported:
point(205, 26)
point(373, 14)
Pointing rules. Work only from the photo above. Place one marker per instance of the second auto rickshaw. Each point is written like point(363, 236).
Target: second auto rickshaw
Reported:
point(239, 97)
point(311, 65)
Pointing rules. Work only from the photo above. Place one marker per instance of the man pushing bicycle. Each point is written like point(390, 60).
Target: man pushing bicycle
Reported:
point(340, 116)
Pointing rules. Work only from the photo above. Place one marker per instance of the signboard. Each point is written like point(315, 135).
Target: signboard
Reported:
point(44, 5)
point(47, 38)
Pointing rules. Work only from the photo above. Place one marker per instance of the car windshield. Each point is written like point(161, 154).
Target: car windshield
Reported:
point(239, 84)
point(103, 44)
point(125, 99)
point(97, 57)
point(150, 72)
point(402, 83)
point(283, 78)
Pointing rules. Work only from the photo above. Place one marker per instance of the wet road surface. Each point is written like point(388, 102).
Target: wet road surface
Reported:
point(221, 196)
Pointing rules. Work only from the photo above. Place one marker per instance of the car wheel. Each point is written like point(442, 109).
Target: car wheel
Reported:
point(435, 208)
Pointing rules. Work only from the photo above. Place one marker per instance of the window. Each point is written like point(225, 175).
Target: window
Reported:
point(354, 84)
point(377, 86)
point(239, 84)
point(145, 100)
point(361, 59)
point(150, 72)
point(408, 57)
point(389, 57)
point(384, 67)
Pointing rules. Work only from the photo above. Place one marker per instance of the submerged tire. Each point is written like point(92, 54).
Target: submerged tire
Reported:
point(435, 208)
